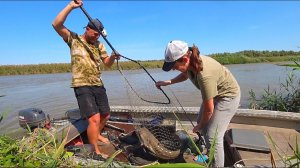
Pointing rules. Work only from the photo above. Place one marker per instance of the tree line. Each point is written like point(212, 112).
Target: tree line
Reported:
point(242, 57)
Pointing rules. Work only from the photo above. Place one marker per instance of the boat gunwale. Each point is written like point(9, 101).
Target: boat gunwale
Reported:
point(290, 120)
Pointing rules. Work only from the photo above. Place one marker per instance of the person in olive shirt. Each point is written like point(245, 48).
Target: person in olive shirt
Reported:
point(219, 89)
point(86, 54)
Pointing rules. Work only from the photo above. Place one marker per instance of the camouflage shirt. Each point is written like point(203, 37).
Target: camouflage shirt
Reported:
point(85, 61)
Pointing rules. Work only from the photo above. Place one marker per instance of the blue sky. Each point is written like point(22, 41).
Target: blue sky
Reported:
point(141, 29)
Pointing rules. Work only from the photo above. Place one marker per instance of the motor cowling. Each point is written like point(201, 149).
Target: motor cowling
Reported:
point(32, 118)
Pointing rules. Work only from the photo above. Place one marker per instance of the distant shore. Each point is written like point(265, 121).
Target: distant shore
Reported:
point(243, 57)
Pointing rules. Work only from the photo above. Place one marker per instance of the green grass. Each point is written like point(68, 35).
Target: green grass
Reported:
point(40, 149)
point(175, 165)
point(287, 98)
point(242, 57)
point(291, 161)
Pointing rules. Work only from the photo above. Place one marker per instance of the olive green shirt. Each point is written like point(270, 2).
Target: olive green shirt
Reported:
point(214, 80)
point(85, 61)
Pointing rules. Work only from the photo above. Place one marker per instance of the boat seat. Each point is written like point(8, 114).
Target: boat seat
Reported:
point(249, 140)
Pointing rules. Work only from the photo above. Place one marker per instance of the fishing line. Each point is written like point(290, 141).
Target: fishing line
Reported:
point(141, 66)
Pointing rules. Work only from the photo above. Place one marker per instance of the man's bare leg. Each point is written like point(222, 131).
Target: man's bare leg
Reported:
point(92, 131)
point(103, 119)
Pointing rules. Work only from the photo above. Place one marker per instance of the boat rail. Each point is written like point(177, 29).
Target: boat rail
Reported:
point(290, 120)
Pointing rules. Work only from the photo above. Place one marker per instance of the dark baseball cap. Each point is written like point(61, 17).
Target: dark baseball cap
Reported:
point(96, 22)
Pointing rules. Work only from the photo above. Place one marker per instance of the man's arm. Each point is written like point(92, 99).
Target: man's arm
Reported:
point(108, 61)
point(58, 23)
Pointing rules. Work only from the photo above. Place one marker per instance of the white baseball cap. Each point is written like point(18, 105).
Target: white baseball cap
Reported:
point(174, 50)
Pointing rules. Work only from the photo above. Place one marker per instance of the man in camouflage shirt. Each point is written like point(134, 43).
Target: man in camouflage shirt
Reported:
point(86, 54)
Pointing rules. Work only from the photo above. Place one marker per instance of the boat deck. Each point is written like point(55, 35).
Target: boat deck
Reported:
point(282, 138)
point(283, 128)
point(254, 158)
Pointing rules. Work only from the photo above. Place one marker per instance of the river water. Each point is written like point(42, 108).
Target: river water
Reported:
point(52, 92)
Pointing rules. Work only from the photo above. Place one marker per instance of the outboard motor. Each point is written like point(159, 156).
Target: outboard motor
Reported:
point(32, 118)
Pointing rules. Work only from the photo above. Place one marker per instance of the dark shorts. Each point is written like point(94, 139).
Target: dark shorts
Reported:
point(92, 100)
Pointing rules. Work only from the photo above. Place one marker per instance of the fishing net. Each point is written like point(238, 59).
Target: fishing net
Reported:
point(148, 107)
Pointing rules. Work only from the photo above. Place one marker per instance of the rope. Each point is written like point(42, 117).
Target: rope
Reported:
point(135, 92)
